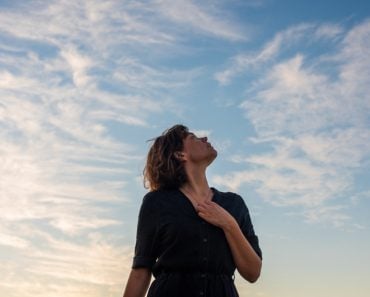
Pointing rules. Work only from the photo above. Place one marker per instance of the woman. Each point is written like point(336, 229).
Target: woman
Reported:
point(190, 237)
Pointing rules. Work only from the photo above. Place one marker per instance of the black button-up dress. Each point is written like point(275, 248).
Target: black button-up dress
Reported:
point(188, 256)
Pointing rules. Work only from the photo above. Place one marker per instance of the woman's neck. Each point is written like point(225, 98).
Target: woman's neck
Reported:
point(197, 180)
point(197, 188)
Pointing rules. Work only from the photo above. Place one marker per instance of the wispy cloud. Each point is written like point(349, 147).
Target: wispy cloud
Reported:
point(205, 18)
point(276, 46)
point(80, 80)
point(95, 266)
point(79, 65)
point(62, 169)
point(331, 214)
point(74, 78)
point(315, 123)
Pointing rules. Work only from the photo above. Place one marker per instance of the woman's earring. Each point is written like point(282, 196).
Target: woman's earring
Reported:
point(179, 155)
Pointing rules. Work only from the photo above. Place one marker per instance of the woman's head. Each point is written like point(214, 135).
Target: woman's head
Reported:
point(164, 169)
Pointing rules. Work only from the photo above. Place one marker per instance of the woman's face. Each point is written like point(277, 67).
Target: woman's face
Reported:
point(198, 149)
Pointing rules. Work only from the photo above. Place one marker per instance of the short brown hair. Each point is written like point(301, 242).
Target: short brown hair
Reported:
point(163, 170)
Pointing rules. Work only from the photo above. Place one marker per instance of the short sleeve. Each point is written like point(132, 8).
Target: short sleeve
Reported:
point(247, 228)
point(146, 235)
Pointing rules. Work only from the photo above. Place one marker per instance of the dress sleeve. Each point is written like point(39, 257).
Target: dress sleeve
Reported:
point(146, 235)
point(247, 228)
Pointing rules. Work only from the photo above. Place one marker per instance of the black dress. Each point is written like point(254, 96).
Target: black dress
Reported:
point(188, 256)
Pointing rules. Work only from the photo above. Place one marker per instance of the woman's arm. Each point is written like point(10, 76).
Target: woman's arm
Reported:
point(138, 282)
point(246, 260)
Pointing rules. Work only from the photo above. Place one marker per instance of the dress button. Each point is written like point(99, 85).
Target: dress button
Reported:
point(205, 259)
point(201, 293)
point(203, 275)
point(205, 239)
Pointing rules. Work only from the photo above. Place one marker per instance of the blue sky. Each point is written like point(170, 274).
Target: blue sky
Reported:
point(281, 88)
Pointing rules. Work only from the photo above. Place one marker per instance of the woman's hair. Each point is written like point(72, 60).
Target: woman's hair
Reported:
point(163, 170)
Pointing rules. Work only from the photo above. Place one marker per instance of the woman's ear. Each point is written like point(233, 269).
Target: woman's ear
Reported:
point(179, 155)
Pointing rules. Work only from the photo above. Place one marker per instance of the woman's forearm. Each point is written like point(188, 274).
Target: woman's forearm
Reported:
point(137, 283)
point(246, 259)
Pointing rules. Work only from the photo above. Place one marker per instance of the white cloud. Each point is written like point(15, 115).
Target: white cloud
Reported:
point(79, 65)
point(39, 186)
point(90, 20)
point(270, 50)
point(204, 18)
point(97, 267)
point(74, 78)
point(66, 260)
point(72, 85)
point(316, 124)
point(13, 241)
point(9, 81)
point(357, 197)
point(329, 31)
point(136, 75)
point(202, 133)
point(330, 214)
point(67, 72)
point(278, 44)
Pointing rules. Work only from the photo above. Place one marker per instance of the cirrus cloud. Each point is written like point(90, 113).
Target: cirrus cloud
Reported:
point(314, 118)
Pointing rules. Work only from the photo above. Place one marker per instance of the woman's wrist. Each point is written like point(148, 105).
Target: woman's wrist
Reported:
point(230, 225)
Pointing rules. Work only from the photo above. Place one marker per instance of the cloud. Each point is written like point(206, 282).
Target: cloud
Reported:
point(51, 211)
point(329, 31)
point(77, 80)
point(332, 214)
point(315, 123)
point(59, 267)
point(79, 65)
point(62, 86)
point(64, 169)
point(135, 75)
point(279, 44)
point(202, 18)
point(13, 241)
point(74, 92)
point(91, 20)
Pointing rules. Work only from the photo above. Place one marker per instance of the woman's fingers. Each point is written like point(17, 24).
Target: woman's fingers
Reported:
point(212, 213)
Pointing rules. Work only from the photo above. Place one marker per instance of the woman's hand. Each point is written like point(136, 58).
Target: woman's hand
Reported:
point(246, 260)
point(215, 215)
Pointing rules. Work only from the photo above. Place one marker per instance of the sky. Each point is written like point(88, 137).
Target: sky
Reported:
point(280, 88)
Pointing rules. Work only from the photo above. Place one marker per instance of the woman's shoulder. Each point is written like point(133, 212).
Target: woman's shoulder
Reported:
point(228, 195)
point(158, 199)
point(158, 195)
point(232, 202)
point(230, 198)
